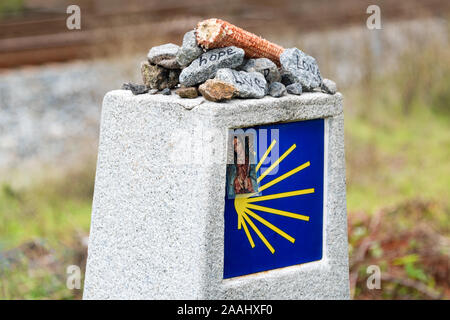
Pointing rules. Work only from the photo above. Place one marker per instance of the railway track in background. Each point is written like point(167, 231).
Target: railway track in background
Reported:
point(111, 27)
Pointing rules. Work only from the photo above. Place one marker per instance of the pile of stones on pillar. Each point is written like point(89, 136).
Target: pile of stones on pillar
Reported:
point(220, 62)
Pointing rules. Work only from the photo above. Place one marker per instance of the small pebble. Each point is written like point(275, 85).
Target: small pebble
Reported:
point(217, 90)
point(277, 89)
point(295, 88)
point(126, 86)
point(164, 56)
point(166, 92)
point(135, 88)
point(285, 78)
point(190, 92)
point(157, 77)
point(152, 91)
point(329, 86)
point(189, 50)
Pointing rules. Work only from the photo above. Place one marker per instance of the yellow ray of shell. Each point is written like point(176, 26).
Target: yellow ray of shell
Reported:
point(249, 237)
point(284, 176)
point(278, 212)
point(270, 226)
point(239, 221)
point(284, 155)
point(260, 235)
point(280, 195)
point(265, 155)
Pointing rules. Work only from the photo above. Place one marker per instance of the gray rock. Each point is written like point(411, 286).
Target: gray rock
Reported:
point(135, 88)
point(277, 89)
point(264, 66)
point(329, 86)
point(157, 77)
point(206, 66)
point(164, 55)
point(294, 88)
point(189, 51)
point(152, 91)
point(302, 68)
point(166, 92)
point(285, 79)
point(248, 84)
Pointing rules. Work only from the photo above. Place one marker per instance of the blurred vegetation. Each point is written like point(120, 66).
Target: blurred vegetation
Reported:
point(11, 7)
point(398, 178)
point(397, 131)
point(43, 230)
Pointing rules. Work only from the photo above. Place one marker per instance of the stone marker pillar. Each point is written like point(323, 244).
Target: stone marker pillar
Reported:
point(165, 224)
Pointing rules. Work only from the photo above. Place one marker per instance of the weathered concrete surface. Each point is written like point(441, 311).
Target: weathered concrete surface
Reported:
point(157, 221)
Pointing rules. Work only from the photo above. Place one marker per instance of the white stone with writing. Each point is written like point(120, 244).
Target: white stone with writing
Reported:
point(206, 66)
point(248, 84)
point(300, 67)
point(264, 66)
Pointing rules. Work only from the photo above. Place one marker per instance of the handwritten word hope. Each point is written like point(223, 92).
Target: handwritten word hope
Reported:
point(215, 56)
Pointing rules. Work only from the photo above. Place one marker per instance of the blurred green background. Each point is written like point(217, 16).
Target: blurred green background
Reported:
point(397, 131)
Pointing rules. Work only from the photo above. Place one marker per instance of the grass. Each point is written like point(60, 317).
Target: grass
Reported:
point(11, 7)
point(401, 142)
point(48, 208)
point(406, 157)
point(43, 229)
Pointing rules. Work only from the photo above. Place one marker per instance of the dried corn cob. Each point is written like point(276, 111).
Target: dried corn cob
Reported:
point(216, 33)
